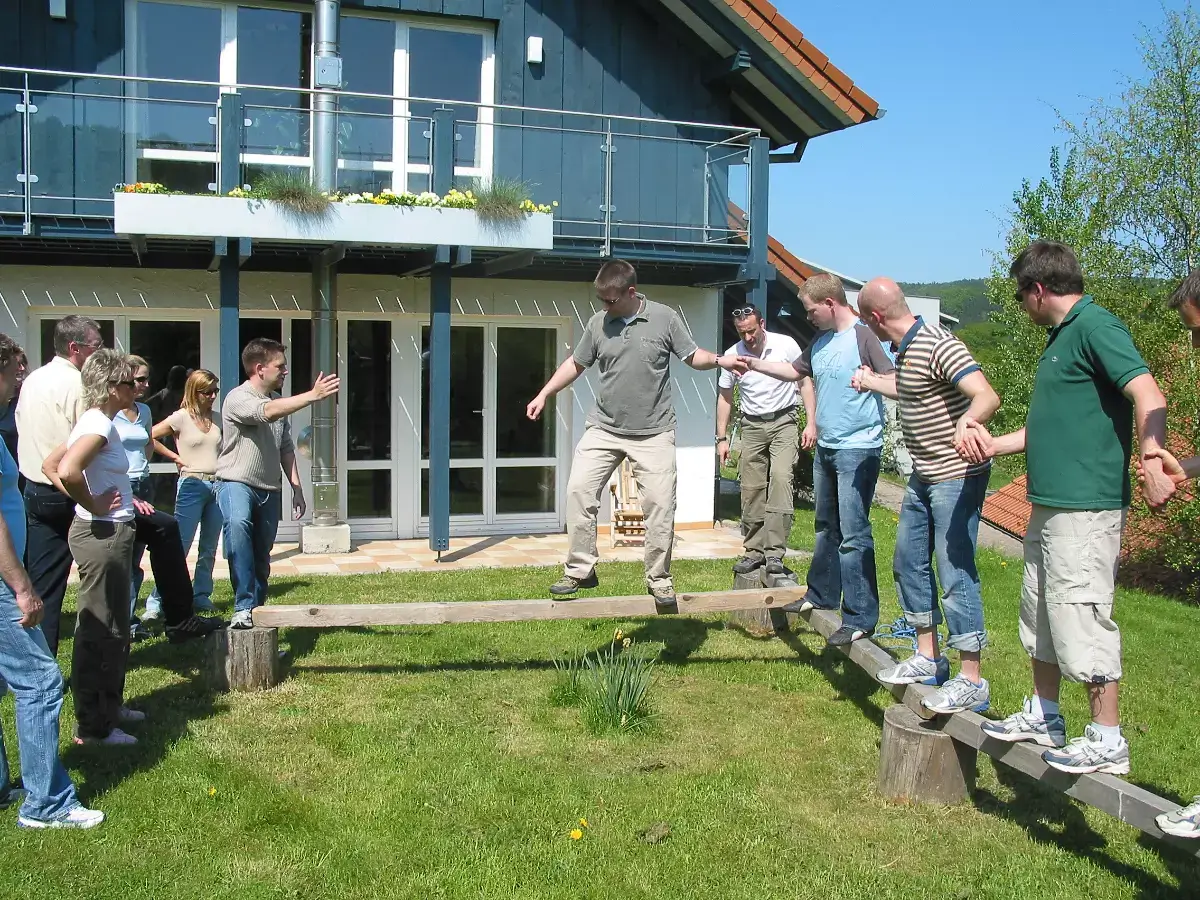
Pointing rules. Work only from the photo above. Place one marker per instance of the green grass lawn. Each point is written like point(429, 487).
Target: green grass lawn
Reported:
point(430, 762)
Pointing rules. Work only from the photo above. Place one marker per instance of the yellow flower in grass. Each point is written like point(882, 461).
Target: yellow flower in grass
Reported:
point(626, 642)
point(212, 792)
point(583, 823)
point(576, 834)
point(618, 635)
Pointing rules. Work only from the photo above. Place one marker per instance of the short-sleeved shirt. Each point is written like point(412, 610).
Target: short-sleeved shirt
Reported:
point(12, 506)
point(50, 404)
point(135, 436)
point(252, 447)
point(846, 419)
point(108, 469)
point(1079, 431)
point(761, 394)
point(633, 359)
point(197, 450)
point(930, 362)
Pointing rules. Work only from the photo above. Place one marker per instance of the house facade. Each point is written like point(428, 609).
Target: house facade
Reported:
point(642, 120)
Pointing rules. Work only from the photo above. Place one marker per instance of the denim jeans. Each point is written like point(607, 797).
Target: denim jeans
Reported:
point(942, 520)
point(141, 490)
point(196, 508)
point(843, 563)
point(33, 676)
point(251, 521)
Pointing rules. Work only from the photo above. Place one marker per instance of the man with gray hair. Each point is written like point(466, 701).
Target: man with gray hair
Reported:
point(51, 402)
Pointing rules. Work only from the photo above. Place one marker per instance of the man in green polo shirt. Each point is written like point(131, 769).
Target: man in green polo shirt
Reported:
point(630, 342)
point(1090, 388)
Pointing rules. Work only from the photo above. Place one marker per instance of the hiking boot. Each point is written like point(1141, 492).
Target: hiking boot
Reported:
point(242, 619)
point(569, 584)
point(959, 694)
point(664, 598)
point(1027, 725)
point(115, 738)
point(917, 669)
point(1183, 822)
point(747, 564)
point(775, 566)
point(194, 627)
point(79, 817)
point(845, 636)
point(127, 716)
point(1090, 754)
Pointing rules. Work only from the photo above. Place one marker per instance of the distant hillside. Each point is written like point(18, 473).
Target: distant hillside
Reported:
point(966, 300)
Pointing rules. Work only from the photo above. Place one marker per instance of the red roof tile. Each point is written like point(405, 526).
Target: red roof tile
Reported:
point(1008, 509)
point(814, 65)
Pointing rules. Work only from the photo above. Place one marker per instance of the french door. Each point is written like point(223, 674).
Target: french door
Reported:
point(505, 471)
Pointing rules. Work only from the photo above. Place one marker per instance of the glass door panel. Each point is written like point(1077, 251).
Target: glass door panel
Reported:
point(466, 392)
point(525, 360)
point(368, 419)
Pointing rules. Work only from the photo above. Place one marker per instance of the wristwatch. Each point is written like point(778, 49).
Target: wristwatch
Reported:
point(721, 437)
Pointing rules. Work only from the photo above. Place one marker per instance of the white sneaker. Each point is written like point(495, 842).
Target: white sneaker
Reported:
point(127, 716)
point(1184, 823)
point(79, 817)
point(116, 738)
point(243, 618)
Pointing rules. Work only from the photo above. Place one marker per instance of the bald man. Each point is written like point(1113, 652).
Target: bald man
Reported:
point(942, 392)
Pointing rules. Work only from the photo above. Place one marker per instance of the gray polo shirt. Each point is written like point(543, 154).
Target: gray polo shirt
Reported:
point(634, 360)
point(252, 448)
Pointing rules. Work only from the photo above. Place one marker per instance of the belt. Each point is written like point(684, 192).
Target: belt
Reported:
point(199, 477)
point(771, 416)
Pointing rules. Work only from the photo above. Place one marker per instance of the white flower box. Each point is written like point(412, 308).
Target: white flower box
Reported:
point(189, 216)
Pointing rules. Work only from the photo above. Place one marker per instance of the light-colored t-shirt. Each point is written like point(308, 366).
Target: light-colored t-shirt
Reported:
point(252, 448)
point(633, 359)
point(197, 449)
point(50, 404)
point(761, 394)
point(846, 419)
point(135, 436)
point(108, 469)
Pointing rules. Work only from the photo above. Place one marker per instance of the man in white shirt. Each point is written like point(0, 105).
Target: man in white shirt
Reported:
point(769, 442)
point(50, 405)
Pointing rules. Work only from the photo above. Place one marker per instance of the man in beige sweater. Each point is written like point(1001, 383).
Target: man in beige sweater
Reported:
point(256, 450)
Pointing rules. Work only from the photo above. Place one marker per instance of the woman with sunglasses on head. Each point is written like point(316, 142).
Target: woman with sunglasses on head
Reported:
point(197, 442)
point(133, 426)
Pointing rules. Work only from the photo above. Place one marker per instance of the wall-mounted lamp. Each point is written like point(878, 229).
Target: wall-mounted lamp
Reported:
point(58, 9)
point(533, 50)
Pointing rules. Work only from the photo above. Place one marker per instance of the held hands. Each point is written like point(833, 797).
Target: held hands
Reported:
point(1160, 475)
point(745, 364)
point(1170, 465)
point(325, 386)
point(973, 441)
point(861, 379)
point(732, 364)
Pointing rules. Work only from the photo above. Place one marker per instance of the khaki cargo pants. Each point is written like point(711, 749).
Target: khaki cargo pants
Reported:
point(767, 472)
point(596, 458)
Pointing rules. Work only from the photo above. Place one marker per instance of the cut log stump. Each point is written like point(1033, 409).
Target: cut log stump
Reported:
point(245, 659)
point(759, 621)
point(920, 763)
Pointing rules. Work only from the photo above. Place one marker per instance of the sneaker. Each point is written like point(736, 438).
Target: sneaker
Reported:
point(845, 636)
point(917, 669)
point(664, 597)
point(802, 605)
point(1090, 754)
point(1028, 726)
point(569, 584)
point(243, 618)
point(747, 564)
point(116, 738)
point(775, 566)
point(138, 632)
point(127, 716)
point(959, 694)
point(152, 616)
point(79, 817)
point(1183, 822)
point(196, 627)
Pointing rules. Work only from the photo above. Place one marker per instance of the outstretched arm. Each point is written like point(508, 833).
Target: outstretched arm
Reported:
point(563, 377)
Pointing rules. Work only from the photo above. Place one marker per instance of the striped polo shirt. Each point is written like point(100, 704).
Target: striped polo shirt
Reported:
point(930, 362)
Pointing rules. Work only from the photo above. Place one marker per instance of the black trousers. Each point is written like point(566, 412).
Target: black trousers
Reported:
point(160, 533)
point(48, 514)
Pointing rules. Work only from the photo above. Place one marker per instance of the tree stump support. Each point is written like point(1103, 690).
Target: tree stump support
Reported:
point(242, 659)
point(920, 763)
point(759, 622)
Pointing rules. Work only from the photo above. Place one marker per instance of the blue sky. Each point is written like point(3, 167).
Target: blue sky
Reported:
point(970, 90)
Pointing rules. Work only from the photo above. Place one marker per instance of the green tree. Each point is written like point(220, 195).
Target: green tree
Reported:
point(1126, 196)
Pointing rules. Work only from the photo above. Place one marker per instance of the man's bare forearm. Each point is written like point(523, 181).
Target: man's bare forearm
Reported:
point(784, 371)
point(808, 396)
point(282, 407)
point(724, 409)
point(563, 377)
point(1007, 444)
point(11, 570)
point(882, 384)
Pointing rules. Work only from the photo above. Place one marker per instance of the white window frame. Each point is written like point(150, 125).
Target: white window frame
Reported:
point(398, 165)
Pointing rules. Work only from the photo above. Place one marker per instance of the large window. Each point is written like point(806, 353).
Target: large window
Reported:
point(383, 142)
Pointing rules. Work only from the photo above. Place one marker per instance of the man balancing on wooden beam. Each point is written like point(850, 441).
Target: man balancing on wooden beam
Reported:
point(631, 342)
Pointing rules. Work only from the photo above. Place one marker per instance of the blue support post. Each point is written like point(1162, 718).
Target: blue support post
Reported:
point(760, 184)
point(230, 122)
point(439, 347)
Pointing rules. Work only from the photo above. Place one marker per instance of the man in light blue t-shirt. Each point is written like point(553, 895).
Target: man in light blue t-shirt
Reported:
point(846, 430)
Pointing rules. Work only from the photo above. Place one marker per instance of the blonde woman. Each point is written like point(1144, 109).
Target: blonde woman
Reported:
point(197, 442)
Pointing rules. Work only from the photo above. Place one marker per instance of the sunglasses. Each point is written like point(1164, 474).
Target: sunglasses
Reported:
point(143, 379)
point(211, 393)
point(745, 311)
point(127, 384)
